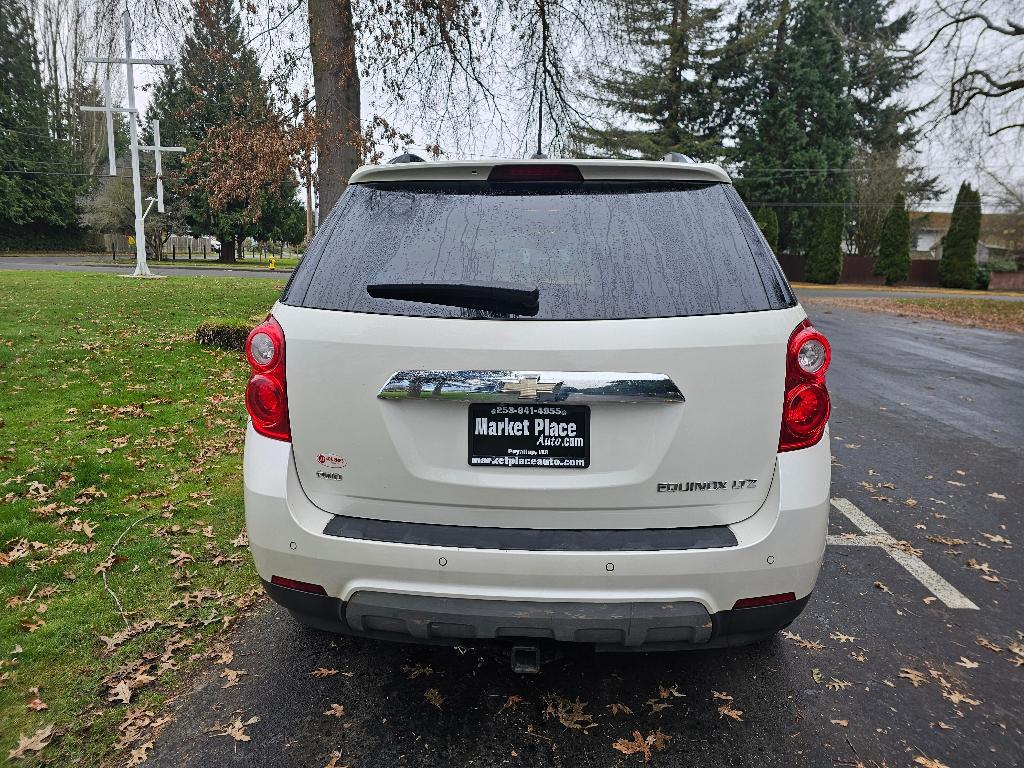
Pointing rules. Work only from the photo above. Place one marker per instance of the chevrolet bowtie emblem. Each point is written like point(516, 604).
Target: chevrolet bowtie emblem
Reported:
point(528, 387)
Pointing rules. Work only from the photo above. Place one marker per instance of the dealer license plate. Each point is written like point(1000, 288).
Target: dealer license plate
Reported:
point(512, 435)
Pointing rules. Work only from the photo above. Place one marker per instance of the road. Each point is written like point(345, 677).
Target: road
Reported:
point(927, 434)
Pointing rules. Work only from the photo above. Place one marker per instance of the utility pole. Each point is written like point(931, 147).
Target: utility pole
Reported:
point(141, 268)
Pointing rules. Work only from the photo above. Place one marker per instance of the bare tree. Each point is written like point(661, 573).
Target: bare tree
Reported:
point(982, 44)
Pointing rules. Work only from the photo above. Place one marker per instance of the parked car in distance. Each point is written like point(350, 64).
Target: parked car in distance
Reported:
point(215, 245)
point(536, 402)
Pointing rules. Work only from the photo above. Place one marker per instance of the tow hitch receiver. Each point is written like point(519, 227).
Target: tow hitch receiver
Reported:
point(525, 659)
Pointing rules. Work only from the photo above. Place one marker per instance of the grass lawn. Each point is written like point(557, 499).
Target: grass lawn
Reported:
point(973, 313)
point(120, 456)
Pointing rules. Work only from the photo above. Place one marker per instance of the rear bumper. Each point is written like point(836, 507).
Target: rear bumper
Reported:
point(607, 626)
point(399, 590)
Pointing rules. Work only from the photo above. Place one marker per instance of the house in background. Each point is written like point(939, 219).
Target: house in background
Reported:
point(1001, 239)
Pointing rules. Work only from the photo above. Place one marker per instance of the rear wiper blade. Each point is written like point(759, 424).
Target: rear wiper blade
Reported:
point(493, 297)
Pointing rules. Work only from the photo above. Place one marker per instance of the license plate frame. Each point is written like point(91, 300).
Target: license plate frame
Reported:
point(549, 441)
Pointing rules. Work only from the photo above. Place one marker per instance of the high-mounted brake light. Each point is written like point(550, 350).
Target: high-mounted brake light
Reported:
point(535, 172)
point(266, 395)
point(806, 405)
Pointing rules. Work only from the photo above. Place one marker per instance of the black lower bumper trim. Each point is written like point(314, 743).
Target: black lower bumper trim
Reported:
point(532, 539)
point(607, 626)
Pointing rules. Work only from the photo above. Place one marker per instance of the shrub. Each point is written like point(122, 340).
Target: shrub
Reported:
point(893, 260)
point(824, 263)
point(957, 268)
point(225, 333)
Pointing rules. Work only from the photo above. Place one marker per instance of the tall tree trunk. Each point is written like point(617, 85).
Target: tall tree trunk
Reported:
point(227, 249)
point(332, 42)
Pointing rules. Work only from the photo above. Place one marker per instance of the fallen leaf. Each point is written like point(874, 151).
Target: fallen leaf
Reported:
point(881, 586)
point(927, 762)
point(986, 643)
point(571, 714)
point(841, 723)
point(721, 696)
point(433, 697)
point(916, 678)
point(511, 703)
point(323, 672)
point(411, 673)
point(336, 710)
point(335, 757)
point(32, 743)
point(619, 709)
point(120, 692)
point(726, 711)
point(638, 744)
point(841, 638)
point(958, 698)
point(232, 676)
point(139, 755)
point(838, 685)
point(37, 705)
point(816, 675)
point(812, 645)
point(967, 663)
point(995, 495)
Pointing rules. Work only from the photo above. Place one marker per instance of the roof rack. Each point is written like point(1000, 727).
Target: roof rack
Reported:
point(407, 157)
point(678, 157)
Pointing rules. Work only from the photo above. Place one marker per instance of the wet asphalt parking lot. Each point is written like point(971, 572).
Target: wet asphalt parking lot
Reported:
point(928, 440)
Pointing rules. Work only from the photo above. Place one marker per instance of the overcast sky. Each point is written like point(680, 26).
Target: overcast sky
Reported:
point(954, 155)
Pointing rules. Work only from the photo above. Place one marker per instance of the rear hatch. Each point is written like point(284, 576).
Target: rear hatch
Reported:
point(642, 390)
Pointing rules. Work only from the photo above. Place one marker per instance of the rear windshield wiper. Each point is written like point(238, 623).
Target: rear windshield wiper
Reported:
point(492, 297)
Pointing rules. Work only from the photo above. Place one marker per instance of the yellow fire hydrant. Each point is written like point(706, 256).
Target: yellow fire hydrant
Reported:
point(273, 263)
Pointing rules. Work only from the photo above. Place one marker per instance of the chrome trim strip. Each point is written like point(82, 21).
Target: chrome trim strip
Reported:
point(532, 386)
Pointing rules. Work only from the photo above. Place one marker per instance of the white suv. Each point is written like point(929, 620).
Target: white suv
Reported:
point(525, 401)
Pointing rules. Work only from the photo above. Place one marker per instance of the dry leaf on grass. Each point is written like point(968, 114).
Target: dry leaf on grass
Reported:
point(120, 692)
point(32, 743)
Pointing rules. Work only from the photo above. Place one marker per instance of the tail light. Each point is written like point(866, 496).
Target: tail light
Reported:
point(806, 405)
point(266, 395)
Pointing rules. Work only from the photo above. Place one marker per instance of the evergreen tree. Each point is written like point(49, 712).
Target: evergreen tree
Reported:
point(672, 90)
point(795, 122)
point(824, 261)
point(37, 195)
point(958, 268)
point(893, 260)
point(217, 105)
point(768, 223)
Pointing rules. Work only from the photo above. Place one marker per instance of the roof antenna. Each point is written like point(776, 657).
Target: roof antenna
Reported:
point(539, 154)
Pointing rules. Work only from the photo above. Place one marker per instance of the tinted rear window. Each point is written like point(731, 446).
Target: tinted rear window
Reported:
point(595, 250)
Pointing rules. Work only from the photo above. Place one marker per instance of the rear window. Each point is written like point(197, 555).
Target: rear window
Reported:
point(594, 250)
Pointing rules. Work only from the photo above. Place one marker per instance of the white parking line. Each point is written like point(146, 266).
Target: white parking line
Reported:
point(876, 536)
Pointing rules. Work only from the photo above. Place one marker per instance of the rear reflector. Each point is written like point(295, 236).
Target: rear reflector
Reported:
point(760, 602)
point(535, 172)
point(301, 586)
